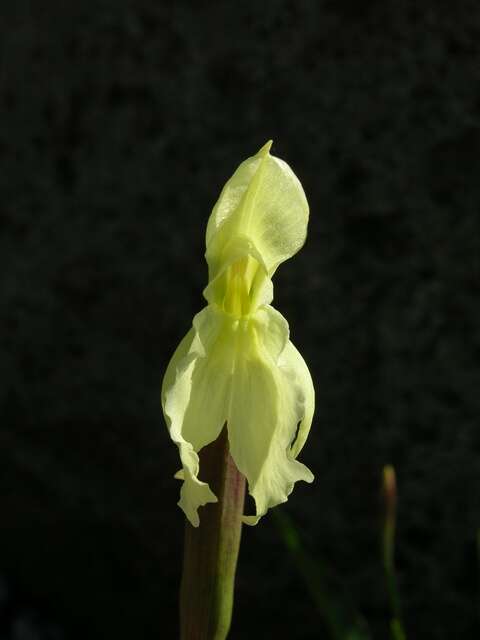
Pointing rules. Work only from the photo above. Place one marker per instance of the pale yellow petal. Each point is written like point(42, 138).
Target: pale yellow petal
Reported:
point(295, 367)
point(194, 397)
point(263, 209)
point(266, 405)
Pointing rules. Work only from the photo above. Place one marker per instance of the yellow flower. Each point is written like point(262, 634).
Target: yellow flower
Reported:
point(237, 365)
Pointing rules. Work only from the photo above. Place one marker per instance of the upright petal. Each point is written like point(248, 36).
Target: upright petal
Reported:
point(194, 397)
point(262, 206)
point(269, 400)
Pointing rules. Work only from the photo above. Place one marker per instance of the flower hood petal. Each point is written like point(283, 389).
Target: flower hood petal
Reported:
point(264, 204)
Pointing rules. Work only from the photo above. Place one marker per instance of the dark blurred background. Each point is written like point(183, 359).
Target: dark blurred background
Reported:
point(119, 124)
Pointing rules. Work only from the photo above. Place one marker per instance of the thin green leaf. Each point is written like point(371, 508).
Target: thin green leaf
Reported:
point(340, 623)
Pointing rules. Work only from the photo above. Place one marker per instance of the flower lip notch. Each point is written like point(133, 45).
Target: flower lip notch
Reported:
point(237, 365)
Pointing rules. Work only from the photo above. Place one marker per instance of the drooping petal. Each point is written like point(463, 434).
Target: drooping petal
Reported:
point(291, 361)
point(194, 397)
point(268, 401)
point(194, 493)
point(262, 206)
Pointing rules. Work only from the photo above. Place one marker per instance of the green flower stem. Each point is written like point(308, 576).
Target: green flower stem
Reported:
point(211, 550)
point(390, 494)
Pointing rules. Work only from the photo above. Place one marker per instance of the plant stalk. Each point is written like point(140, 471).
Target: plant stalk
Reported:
point(211, 550)
point(390, 494)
